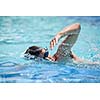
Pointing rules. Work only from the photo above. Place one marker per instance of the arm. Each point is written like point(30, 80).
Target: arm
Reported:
point(82, 61)
point(67, 31)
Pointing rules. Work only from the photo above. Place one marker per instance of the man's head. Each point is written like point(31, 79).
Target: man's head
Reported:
point(37, 52)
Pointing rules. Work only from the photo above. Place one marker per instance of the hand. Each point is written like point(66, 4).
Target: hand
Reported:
point(54, 41)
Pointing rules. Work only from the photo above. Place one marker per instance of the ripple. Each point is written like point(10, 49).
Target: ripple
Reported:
point(16, 34)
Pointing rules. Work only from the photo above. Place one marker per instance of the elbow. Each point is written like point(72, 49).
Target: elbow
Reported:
point(78, 26)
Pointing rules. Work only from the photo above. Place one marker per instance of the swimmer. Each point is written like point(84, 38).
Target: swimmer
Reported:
point(64, 52)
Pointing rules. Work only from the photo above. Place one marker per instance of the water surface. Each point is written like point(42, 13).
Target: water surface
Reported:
point(18, 33)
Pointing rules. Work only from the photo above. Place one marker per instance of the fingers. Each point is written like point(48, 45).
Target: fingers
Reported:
point(52, 43)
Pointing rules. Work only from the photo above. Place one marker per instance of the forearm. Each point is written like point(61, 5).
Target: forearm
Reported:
point(67, 31)
point(72, 29)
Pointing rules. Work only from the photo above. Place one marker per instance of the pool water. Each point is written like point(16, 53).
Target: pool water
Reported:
point(18, 33)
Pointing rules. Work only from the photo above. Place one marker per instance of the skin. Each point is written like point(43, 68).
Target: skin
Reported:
point(71, 34)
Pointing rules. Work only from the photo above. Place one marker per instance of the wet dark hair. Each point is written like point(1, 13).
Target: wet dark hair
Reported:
point(33, 50)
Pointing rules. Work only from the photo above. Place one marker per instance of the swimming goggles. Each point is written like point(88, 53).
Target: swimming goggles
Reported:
point(46, 53)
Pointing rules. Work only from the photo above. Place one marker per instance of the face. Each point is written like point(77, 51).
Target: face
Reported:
point(44, 53)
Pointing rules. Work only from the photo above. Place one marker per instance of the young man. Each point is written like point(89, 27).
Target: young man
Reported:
point(64, 53)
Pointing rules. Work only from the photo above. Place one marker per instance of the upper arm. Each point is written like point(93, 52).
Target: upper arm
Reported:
point(71, 38)
point(71, 35)
point(69, 41)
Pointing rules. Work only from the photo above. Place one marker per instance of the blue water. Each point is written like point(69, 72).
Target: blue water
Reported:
point(18, 33)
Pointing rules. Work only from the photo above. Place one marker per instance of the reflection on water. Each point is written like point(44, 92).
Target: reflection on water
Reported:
point(18, 33)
